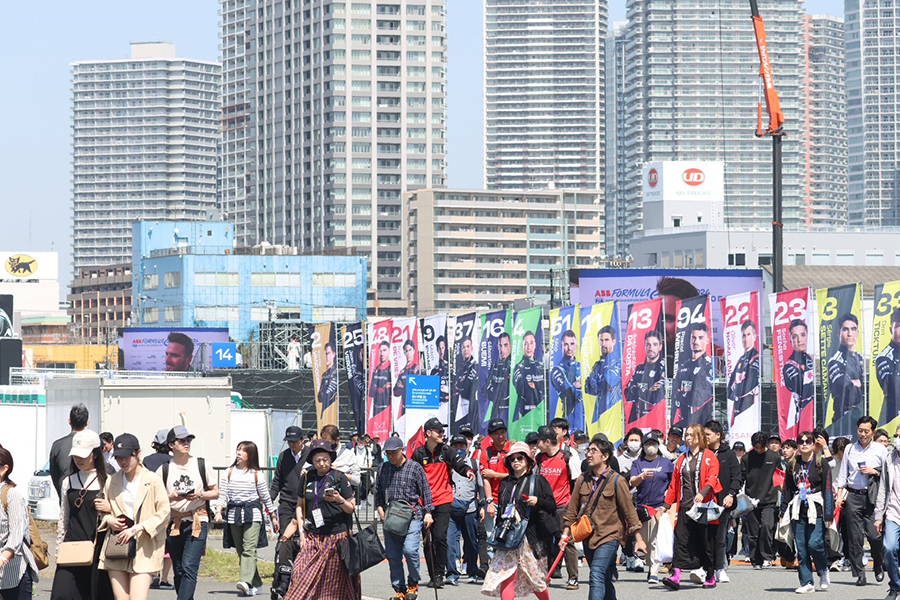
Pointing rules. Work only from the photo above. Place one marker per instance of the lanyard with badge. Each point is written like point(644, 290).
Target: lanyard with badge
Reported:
point(803, 484)
point(318, 517)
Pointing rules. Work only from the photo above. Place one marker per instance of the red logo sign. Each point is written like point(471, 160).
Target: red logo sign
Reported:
point(693, 177)
point(653, 178)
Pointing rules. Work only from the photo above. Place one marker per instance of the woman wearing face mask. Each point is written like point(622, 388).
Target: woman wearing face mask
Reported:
point(695, 479)
point(630, 451)
point(650, 477)
point(78, 520)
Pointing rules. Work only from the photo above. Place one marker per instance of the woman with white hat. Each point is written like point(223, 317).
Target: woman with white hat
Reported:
point(78, 522)
point(524, 494)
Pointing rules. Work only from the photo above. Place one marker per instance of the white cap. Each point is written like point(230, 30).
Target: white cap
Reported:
point(83, 443)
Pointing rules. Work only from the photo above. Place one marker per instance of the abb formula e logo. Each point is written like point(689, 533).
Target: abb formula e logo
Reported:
point(693, 177)
point(652, 178)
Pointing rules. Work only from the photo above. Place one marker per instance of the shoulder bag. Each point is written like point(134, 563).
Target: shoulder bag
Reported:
point(508, 534)
point(362, 550)
point(398, 516)
point(112, 549)
point(77, 554)
point(582, 528)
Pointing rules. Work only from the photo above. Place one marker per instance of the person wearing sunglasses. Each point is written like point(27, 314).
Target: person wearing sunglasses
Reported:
point(78, 519)
point(520, 572)
point(809, 500)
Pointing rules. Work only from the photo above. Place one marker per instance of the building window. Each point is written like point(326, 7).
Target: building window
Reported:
point(151, 282)
point(259, 313)
point(173, 279)
point(821, 259)
point(275, 280)
point(764, 259)
point(737, 260)
point(173, 314)
point(215, 279)
point(334, 313)
point(800, 259)
point(151, 315)
point(874, 259)
point(334, 280)
point(216, 313)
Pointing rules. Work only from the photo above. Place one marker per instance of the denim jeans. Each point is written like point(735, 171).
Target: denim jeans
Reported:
point(810, 542)
point(397, 548)
point(601, 561)
point(186, 552)
point(22, 591)
point(465, 526)
point(891, 545)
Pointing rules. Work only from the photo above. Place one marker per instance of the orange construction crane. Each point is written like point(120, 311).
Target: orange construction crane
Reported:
point(776, 131)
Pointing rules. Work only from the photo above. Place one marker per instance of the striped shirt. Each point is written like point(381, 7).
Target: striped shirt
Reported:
point(14, 530)
point(245, 486)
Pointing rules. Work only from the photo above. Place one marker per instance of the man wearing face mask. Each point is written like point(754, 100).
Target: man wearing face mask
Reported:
point(632, 450)
point(650, 476)
point(465, 513)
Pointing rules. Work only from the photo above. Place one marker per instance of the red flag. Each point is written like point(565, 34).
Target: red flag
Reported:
point(777, 477)
point(416, 441)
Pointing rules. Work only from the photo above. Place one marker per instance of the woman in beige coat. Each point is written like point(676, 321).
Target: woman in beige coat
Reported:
point(137, 507)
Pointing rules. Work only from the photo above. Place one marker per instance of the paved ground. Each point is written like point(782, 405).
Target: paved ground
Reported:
point(746, 584)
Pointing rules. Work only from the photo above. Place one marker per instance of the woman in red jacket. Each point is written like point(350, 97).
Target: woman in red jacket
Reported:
point(696, 479)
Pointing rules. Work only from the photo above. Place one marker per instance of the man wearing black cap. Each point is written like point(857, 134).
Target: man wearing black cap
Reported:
point(672, 449)
point(290, 466)
point(492, 467)
point(438, 459)
point(560, 468)
point(730, 478)
point(757, 469)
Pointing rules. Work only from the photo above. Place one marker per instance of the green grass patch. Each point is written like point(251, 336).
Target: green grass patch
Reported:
point(225, 567)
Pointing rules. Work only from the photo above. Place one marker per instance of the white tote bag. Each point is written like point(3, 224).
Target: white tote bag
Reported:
point(665, 538)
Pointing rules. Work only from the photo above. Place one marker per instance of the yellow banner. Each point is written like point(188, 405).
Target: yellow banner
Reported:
point(884, 367)
point(601, 371)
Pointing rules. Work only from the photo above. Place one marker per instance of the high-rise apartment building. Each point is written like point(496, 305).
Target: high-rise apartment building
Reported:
point(616, 164)
point(544, 93)
point(873, 100)
point(691, 92)
point(823, 193)
point(145, 133)
point(331, 110)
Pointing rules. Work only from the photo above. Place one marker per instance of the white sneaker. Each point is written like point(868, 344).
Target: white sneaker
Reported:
point(805, 589)
point(824, 581)
point(254, 591)
point(766, 564)
point(243, 587)
point(722, 576)
point(698, 575)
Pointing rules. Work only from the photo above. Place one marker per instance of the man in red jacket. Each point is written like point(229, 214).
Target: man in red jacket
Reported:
point(493, 469)
point(437, 458)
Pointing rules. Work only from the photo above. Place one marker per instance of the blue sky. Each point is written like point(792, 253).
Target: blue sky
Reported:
point(35, 169)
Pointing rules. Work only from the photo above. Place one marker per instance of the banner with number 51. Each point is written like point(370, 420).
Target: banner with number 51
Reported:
point(795, 378)
point(740, 320)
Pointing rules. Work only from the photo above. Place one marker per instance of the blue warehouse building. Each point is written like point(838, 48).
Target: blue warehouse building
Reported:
point(189, 274)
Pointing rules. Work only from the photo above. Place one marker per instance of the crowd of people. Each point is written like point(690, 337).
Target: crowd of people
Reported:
point(506, 515)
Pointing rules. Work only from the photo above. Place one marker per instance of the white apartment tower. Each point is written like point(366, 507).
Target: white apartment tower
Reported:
point(544, 93)
point(145, 132)
point(823, 193)
point(691, 91)
point(873, 100)
point(616, 163)
point(331, 110)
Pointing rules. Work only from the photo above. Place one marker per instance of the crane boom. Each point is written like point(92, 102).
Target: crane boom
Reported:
point(767, 81)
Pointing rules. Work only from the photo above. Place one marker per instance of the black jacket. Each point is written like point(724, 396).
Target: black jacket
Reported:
point(730, 475)
point(543, 523)
point(286, 480)
point(757, 470)
point(60, 461)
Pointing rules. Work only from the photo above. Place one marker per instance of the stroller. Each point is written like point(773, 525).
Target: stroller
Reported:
point(285, 554)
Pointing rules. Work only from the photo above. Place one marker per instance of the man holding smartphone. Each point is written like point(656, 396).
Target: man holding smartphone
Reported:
point(187, 484)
